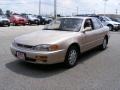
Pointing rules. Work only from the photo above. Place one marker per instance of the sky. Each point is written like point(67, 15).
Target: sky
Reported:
point(64, 7)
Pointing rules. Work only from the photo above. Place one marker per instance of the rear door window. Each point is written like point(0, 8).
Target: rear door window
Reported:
point(96, 23)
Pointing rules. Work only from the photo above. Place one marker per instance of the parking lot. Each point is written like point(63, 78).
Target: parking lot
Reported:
point(96, 70)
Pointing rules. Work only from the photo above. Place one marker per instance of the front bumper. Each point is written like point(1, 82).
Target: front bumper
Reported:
point(39, 56)
point(116, 27)
point(34, 22)
point(4, 23)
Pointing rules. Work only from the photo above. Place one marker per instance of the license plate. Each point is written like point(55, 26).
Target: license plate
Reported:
point(20, 55)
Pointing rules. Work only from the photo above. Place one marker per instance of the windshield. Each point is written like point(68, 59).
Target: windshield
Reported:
point(116, 19)
point(32, 16)
point(17, 16)
point(65, 24)
point(3, 17)
point(107, 19)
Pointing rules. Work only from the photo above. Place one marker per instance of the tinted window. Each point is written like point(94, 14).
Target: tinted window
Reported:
point(97, 24)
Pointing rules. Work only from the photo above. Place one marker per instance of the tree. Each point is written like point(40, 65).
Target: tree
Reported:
point(8, 13)
point(1, 12)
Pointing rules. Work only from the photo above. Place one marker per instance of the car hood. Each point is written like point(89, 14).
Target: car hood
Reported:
point(113, 22)
point(4, 19)
point(44, 37)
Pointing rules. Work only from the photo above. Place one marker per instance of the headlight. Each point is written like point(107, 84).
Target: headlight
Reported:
point(116, 25)
point(46, 47)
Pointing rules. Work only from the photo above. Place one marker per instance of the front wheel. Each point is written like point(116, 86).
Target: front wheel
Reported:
point(71, 57)
point(8, 25)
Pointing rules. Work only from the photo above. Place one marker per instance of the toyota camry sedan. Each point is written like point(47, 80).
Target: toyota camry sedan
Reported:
point(61, 41)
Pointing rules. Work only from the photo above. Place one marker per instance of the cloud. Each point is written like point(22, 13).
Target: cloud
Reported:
point(65, 7)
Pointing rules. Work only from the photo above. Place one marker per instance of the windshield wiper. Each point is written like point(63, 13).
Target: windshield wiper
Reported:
point(50, 29)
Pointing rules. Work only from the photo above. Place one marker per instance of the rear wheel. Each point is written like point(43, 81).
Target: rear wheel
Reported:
point(104, 44)
point(71, 57)
point(110, 27)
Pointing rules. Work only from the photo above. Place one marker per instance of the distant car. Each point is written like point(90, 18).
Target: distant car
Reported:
point(113, 25)
point(32, 19)
point(4, 21)
point(18, 20)
point(44, 20)
point(63, 40)
point(116, 19)
point(47, 20)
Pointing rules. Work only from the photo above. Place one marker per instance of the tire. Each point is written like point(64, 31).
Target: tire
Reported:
point(71, 57)
point(43, 23)
point(24, 24)
point(104, 44)
point(110, 27)
point(8, 25)
point(38, 23)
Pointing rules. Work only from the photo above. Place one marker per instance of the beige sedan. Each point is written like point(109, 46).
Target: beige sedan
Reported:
point(63, 40)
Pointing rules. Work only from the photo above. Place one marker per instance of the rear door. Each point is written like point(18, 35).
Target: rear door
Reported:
point(99, 30)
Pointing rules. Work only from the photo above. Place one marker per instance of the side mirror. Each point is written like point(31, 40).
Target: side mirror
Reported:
point(87, 29)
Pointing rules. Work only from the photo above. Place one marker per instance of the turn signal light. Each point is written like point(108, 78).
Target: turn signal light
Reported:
point(53, 48)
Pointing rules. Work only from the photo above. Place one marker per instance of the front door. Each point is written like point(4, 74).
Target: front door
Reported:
point(92, 37)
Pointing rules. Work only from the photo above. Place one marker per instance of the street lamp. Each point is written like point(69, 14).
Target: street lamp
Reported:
point(105, 4)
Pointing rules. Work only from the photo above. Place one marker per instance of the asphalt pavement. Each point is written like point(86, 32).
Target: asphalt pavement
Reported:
point(96, 70)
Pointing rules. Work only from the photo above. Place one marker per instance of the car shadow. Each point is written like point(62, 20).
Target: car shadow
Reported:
point(89, 54)
point(44, 71)
point(35, 70)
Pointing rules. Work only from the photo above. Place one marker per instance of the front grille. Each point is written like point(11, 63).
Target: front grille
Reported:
point(5, 21)
point(21, 20)
point(25, 46)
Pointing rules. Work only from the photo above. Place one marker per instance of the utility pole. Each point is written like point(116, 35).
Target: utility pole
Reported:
point(116, 11)
point(55, 9)
point(77, 10)
point(105, 4)
point(94, 12)
point(39, 7)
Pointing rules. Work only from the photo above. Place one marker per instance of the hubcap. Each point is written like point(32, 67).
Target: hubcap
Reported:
point(104, 43)
point(72, 57)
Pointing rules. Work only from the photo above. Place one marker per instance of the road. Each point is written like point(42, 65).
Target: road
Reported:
point(96, 70)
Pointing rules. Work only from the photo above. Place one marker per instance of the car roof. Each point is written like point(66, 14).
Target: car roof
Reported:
point(78, 17)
